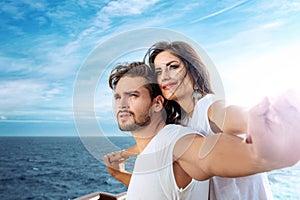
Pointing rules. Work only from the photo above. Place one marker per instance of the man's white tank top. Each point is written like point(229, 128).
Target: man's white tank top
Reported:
point(153, 176)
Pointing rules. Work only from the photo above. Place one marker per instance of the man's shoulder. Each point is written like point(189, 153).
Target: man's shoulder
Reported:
point(178, 129)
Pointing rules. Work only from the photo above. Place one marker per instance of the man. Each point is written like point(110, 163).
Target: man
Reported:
point(173, 161)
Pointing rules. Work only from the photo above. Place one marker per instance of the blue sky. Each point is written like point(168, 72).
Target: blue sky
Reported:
point(253, 44)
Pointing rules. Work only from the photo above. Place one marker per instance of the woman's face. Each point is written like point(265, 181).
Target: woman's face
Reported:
point(172, 76)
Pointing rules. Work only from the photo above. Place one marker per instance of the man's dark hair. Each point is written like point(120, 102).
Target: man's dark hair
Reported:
point(135, 69)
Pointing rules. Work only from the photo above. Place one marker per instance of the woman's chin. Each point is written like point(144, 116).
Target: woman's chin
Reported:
point(169, 96)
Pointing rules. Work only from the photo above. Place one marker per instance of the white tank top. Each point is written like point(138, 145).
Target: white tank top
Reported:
point(153, 177)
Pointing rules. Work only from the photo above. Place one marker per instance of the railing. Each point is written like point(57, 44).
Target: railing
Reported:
point(103, 196)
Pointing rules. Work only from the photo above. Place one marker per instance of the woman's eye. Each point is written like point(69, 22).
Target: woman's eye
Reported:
point(174, 66)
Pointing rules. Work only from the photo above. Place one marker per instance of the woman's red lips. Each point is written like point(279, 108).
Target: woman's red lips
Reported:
point(168, 86)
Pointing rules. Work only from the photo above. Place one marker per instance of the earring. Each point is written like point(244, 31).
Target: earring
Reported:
point(197, 95)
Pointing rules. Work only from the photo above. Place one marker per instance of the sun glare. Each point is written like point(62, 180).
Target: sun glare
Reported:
point(247, 81)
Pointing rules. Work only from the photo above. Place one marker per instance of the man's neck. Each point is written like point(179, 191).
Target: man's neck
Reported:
point(144, 135)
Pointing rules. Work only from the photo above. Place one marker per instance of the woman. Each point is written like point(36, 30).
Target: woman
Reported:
point(183, 78)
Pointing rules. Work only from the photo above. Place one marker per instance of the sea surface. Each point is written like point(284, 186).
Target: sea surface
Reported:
point(63, 168)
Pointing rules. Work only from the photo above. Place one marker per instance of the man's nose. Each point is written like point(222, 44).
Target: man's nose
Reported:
point(123, 103)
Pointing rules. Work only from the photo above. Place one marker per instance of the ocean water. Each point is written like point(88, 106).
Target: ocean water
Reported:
point(62, 168)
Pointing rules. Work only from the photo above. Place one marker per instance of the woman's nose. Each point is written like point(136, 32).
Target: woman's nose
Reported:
point(165, 75)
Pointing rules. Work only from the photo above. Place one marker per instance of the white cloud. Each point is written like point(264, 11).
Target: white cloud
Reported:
point(15, 29)
point(59, 66)
point(13, 10)
point(18, 9)
point(25, 93)
point(256, 36)
point(119, 8)
point(35, 5)
point(190, 6)
point(60, 13)
point(3, 118)
point(126, 7)
point(279, 7)
point(49, 114)
point(271, 25)
point(43, 59)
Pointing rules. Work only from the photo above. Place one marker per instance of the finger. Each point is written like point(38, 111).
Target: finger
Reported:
point(257, 118)
point(113, 157)
point(260, 109)
point(289, 99)
point(106, 160)
point(125, 155)
point(286, 112)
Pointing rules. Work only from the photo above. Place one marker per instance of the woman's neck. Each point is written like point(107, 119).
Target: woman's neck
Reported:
point(187, 104)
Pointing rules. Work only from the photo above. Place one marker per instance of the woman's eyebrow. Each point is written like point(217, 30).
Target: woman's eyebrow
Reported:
point(168, 64)
point(172, 61)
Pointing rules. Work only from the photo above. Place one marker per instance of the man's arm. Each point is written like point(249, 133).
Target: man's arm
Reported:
point(115, 164)
point(116, 168)
point(275, 134)
point(230, 119)
point(228, 156)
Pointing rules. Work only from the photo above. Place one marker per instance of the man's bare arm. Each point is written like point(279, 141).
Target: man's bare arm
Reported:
point(230, 119)
point(115, 164)
point(274, 132)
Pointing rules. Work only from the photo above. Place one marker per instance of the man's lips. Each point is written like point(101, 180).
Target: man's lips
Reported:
point(168, 86)
point(123, 114)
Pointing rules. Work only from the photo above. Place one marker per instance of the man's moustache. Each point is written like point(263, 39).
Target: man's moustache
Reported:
point(125, 111)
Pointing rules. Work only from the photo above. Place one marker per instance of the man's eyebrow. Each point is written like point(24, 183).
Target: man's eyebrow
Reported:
point(116, 94)
point(127, 93)
point(133, 91)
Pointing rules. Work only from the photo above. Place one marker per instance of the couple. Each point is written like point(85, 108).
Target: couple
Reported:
point(175, 162)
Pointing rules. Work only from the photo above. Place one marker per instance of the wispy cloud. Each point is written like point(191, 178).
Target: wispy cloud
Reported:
point(114, 9)
point(254, 36)
point(26, 93)
point(13, 10)
point(125, 7)
point(279, 8)
point(220, 11)
point(190, 6)
point(3, 118)
point(270, 25)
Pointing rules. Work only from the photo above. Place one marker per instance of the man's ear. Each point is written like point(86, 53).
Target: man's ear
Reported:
point(158, 103)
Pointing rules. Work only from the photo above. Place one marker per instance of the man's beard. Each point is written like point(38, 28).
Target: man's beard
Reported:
point(135, 125)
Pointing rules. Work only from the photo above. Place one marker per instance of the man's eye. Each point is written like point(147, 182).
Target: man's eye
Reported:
point(132, 95)
point(117, 97)
point(157, 73)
